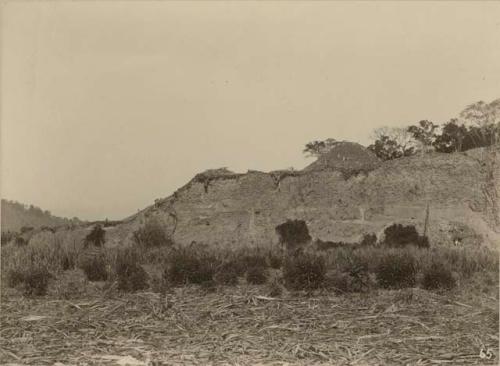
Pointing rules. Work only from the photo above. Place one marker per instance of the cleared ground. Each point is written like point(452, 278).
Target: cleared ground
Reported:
point(243, 326)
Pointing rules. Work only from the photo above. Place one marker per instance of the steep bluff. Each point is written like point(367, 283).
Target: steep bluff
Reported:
point(221, 208)
point(230, 209)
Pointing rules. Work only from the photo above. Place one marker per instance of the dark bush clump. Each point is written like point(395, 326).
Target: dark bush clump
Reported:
point(368, 240)
point(327, 245)
point(67, 262)
point(34, 280)
point(190, 265)
point(228, 273)
point(14, 277)
point(7, 236)
point(152, 234)
point(275, 260)
point(438, 276)
point(26, 229)
point(94, 267)
point(257, 275)
point(304, 272)
point(423, 242)
point(396, 271)
point(131, 276)
point(20, 241)
point(96, 237)
point(242, 262)
point(293, 233)
point(255, 260)
point(399, 236)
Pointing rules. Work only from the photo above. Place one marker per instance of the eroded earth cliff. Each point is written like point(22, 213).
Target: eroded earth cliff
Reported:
point(341, 197)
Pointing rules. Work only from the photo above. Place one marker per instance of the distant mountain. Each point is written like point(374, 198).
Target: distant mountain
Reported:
point(16, 215)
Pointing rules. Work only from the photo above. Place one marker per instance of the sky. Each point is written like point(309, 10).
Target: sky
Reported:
point(106, 106)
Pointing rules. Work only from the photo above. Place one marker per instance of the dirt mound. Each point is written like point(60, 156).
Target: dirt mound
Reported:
point(347, 157)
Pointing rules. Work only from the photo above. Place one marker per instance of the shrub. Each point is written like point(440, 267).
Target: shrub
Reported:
point(293, 233)
point(356, 279)
point(438, 276)
point(423, 242)
point(368, 240)
point(275, 260)
point(67, 261)
point(256, 275)
point(96, 236)
point(242, 261)
point(20, 241)
point(36, 281)
point(7, 236)
point(130, 275)
point(304, 272)
point(14, 277)
point(190, 265)
point(152, 234)
point(26, 229)
point(396, 270)
point(398, 235)
point(327, 245)
point(33, 279)
point(254, 260)
point(94, 267)
point(227, 274)
point(339, 281)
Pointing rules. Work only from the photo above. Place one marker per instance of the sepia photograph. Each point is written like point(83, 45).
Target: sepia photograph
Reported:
point(239, 183)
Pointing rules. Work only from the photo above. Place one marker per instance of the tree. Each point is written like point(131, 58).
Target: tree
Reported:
point(425, 133)
point(480, 136)
point(317, 148)
point(392, 143)
point(481, 113)
point(486, 118)
point(451, 137)
point(457, 137)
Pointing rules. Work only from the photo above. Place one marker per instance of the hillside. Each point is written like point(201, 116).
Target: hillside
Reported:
point(220, 208)
point(16, 215)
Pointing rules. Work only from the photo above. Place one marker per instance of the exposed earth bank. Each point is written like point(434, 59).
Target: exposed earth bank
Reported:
point(342, 196)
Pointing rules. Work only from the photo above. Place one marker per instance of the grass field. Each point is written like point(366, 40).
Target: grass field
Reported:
point(79, 322)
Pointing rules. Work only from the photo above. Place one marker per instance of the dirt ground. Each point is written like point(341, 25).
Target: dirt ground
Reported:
point(243, 326)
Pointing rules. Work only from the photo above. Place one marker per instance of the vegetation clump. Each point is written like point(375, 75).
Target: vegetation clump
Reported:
point(304, 272)
point(36, 281)
point(7, 236)
point(130, 275)
point(151, 235)
point(398, 236)
point(438, 276)
point(293, 233)
point(228, 273)
point(94, 266)
point(275, 260)
point(96, 237)
point(33, 280)
point(368, 240)
point(257, 275)
point(190, 265)
point(396, 270)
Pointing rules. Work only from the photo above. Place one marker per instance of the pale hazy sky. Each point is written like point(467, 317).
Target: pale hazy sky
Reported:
point(106, 106)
